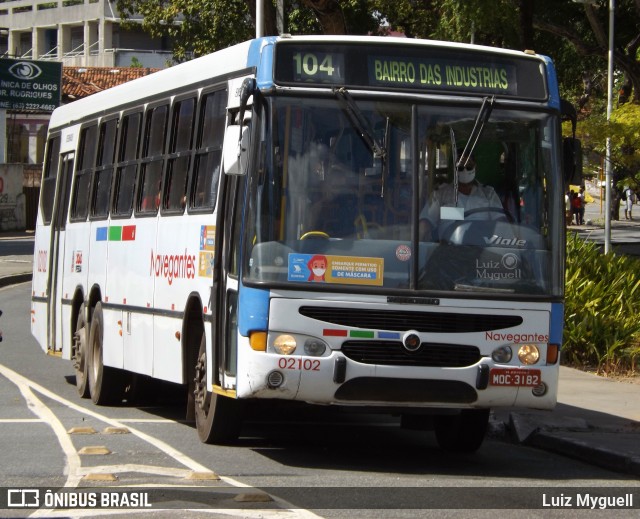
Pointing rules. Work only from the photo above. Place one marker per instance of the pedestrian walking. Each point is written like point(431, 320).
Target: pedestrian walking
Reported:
point(629, 197)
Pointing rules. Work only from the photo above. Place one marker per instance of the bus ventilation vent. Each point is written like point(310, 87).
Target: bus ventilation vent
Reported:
point(393, 320)
point(390, 353)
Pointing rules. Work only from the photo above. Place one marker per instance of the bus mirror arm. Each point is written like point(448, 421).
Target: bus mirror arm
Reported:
point(236, 137)
point(246, 91)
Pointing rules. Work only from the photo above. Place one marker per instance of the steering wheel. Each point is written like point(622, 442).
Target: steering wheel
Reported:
point(499, 210)
point(315, 234)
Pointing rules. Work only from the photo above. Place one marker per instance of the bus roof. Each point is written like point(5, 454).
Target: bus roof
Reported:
point(236, 58)
point(226, 61)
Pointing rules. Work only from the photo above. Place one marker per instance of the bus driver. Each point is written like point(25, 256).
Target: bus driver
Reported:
point(471, 195)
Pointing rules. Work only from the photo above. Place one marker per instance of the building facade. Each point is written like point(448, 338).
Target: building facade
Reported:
point(82, 33)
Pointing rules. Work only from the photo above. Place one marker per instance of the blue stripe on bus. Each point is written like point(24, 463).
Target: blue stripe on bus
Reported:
point(253, 310)
point(552, 83)
point(556, 323)
point(261, 56)
point(102, 234)
point(388, 335)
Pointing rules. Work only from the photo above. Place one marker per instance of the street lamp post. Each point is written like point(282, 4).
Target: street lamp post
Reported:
point(608, 177)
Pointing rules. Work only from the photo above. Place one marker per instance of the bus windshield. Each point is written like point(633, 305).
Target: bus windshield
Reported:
point(358, 193)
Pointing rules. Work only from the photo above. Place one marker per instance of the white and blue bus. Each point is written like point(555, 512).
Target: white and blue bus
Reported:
point(248, 225)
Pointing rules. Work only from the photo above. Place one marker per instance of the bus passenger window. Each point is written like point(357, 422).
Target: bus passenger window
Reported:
point(126, 171)
point(208, 156)
point(104, 168)
point(87, 151)
point(179, 159)
point(49, 179)
point(150, 182)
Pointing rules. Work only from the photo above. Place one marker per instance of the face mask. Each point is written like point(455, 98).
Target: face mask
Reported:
point(319, 272)
point(466, 176)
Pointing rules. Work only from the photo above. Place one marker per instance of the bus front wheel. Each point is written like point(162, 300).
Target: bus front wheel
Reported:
point(463, 432)
point(79, 354)
point(218, 418)
point(106, 384)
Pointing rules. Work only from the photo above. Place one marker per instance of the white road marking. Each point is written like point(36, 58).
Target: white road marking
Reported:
point(75, 472)
point(21, 420)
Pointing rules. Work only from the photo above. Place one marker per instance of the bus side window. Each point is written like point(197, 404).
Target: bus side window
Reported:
point(179, 158)
point(49, 179)
point(210, 134)
point(127, 165)
point(87, 155)
point(104, 168)
point(155, 130)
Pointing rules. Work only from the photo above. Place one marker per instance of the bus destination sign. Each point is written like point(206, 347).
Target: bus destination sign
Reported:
point(452, 74)
point(409, 68)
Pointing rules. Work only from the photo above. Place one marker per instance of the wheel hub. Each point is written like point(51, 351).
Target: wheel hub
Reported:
point(200, 390)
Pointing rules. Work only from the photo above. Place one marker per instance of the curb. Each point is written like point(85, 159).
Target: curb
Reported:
point(14, 279)
point(582, 451)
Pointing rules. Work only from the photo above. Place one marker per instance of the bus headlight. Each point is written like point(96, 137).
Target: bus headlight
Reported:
point(529, 354)
point(285, 344)
point(314, 347)
point(502, 355)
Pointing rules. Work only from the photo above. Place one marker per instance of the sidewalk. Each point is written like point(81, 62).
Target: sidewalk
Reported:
point(15, 268)
point(625, 234)
point(597, 420)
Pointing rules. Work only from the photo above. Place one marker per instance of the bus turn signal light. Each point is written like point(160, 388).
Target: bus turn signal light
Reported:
point(552, 353)
point(258, 341)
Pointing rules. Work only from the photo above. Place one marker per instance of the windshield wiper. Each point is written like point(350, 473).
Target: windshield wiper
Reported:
point(359, 122)
point(478, 126)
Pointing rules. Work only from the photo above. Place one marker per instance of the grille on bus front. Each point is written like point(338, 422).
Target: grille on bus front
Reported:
point(401, 321)
point(392, 353)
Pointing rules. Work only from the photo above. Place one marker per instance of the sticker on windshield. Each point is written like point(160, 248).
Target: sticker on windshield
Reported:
point(320, 268)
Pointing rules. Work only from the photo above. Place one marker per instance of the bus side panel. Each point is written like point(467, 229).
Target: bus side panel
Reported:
point(39, 282)
point(130, 282)
point(74, 272)
point(96, 262)
point(178, 271)
point(97, 280)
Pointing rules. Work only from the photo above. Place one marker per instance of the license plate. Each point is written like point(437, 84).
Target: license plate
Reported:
point(514, 377)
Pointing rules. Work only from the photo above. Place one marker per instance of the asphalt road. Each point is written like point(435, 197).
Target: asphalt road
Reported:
point(316, 462)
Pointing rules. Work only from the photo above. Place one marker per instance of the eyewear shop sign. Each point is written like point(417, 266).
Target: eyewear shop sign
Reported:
point(30, 85)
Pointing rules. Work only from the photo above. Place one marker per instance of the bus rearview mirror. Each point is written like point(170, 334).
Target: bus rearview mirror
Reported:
point(235, 149)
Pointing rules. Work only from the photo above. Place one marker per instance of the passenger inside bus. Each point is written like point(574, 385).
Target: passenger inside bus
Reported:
point(472, 200)
point(330, 184)
point(151, 200)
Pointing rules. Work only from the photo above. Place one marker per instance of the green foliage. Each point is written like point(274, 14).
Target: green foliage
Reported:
point(602, 305)
point(624, 130)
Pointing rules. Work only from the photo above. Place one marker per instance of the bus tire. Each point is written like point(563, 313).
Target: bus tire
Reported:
point(106, 384)
point(218, 418)
point(463, 432)
point(79, 353)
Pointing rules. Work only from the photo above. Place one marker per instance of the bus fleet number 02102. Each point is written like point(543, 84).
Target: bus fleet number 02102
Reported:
point(299, 363)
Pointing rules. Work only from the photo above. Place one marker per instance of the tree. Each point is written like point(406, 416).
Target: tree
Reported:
point(197, 27)
point(575, 36)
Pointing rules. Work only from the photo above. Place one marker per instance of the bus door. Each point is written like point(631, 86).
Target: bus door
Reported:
point(56, 251)
point(225, 322)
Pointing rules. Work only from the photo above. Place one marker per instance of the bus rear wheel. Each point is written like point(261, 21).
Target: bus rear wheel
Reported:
point(106, 384)
point(79, 354)
point(218, 418)
point(463, 432)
